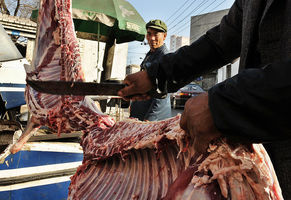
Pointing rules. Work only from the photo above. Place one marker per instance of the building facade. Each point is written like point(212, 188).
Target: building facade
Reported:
point(178, 41)
point(199, 25)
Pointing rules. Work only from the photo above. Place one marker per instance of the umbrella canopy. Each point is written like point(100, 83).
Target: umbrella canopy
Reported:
point(106, 19)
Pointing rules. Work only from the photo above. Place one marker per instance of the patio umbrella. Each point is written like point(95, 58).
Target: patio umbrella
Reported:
point(105, 20)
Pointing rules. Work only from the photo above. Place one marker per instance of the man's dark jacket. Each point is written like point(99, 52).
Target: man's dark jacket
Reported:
point(153, 109)
point(254, 105)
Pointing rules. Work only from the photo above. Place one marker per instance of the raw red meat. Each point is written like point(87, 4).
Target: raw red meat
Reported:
point(57, 57)
point(133, 159)
point(155, 160)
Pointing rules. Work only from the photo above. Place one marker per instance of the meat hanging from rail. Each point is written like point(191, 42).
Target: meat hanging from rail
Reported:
point(132, 159)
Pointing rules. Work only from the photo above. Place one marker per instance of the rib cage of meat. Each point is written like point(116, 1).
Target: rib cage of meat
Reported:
point(133, 159)
point(155, 160)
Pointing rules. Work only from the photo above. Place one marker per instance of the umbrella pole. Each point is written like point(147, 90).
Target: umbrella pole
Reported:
point(107, 66)
point(98, 51)
point(108, 59)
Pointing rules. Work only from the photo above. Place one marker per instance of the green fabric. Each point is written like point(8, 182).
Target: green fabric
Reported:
point(118, 19)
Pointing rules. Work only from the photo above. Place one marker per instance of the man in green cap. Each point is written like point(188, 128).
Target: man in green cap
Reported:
point(156, 34)
point(153, 109)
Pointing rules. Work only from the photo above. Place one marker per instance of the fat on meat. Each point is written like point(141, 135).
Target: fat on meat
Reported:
point(131, 159)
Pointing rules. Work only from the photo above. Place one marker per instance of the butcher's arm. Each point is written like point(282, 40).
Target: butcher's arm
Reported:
point(255, 104)
point(218, 47)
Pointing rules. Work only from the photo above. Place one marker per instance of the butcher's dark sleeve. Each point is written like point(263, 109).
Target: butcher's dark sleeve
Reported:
point(219, 46)
point(255, 104)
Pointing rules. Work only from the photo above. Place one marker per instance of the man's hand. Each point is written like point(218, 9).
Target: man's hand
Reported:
point(197, 121)
point(138, 85)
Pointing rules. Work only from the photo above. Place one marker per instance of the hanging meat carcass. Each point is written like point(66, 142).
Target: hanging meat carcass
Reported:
point(133, 159)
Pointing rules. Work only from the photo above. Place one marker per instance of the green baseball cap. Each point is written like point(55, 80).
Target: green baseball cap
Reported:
point(157, 24)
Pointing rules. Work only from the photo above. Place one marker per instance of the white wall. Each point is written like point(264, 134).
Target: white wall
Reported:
point(222, 72)
point(89, 54)
point(119, 61)
point(234, 67)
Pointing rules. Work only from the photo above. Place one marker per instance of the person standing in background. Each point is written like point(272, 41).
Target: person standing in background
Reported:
point(153, 109)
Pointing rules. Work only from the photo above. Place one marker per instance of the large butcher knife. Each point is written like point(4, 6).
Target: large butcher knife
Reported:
point(76, 88)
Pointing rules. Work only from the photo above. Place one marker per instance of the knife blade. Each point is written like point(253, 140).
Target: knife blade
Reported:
point(76, 88)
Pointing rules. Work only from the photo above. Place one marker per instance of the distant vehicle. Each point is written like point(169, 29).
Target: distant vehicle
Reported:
point(179, 98)
point(12, 78)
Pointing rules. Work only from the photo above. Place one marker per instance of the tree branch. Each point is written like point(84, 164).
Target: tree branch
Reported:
point(4, 7)
point(17, 7)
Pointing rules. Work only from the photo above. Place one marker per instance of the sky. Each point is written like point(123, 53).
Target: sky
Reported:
point(176, 14)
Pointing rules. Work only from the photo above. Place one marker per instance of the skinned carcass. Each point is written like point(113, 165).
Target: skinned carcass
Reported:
point(56, 57)
point(133, 159)
point(155, 160)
